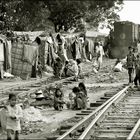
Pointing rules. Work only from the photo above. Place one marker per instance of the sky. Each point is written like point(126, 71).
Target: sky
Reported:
point(130, 12)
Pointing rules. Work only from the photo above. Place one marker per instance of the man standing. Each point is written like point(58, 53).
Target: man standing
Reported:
point(130, 64)
point(99, 54)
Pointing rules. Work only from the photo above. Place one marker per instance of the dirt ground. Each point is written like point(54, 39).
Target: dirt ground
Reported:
point(97, 85)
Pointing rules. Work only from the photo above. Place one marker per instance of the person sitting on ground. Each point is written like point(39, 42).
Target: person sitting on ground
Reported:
point(14, 115)
point(40, 69)
point(83, 89)
point(72, 69)
point(58, 67)
point(70, 103)
point(79, 101)
point(137, 66)
point(58, 98)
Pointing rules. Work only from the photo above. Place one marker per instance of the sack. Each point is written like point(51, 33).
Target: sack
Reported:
point(118, 67)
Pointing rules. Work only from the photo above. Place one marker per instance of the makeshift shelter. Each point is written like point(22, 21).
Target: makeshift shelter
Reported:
point(23, 57)
point(47, 53)
point(93, 37)
point(5, 59)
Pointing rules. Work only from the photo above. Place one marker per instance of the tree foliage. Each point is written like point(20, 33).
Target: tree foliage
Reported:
point(40, 14)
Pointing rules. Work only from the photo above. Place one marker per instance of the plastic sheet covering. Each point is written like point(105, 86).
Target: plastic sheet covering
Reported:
point(1, 52)
point(29, 53)
point(19, 67)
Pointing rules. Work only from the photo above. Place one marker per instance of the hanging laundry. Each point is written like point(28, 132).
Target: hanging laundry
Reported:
point(1, 52)
point(6, 56)
point(29, 54)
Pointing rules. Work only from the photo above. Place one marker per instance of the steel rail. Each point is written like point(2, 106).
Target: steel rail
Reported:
point(101, 113)
point(134, 130)
point(89, 116)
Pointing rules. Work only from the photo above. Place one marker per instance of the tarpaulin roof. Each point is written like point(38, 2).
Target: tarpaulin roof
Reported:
point(94, 34)
point(32, 35)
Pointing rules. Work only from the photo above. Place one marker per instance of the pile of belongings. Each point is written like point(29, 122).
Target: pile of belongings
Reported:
point(41, 99)
point(118, 67)
point(8, 75)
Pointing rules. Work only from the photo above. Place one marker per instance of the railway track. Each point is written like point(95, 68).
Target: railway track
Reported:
point(118, 118)
point(24, 90)
point(79, 129)
point(32, 86)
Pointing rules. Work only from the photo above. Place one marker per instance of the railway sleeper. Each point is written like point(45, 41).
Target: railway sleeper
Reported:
point(82, 113)
point(123, 114)
point(113, 126)
point(108, 95)
point(118, 124)
point(120, 121)
point(105, 98)
point(109, 137)
point(100, 102)
point(95, 104)
point(131, 102)
point(117, 117)
point(52, 137)
point(86, 111)
point(113, 131)
point(66, 126)
point(91, 108)
point(129, 109)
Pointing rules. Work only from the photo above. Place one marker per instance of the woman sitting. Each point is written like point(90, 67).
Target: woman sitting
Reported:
point(79, 100)
point(82, 88)
point(58, 98)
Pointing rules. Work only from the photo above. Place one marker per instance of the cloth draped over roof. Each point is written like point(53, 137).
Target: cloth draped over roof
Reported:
point(4, 52)
point(30, 53)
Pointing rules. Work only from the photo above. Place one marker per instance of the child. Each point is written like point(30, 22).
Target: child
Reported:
point(70, 103)
point(40, 69)
point(79, 99)
point(58, 98)
point(137, 66)
point(130, 64)
point(14, 114)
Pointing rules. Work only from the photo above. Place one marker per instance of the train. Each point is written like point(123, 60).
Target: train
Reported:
point(123, 35)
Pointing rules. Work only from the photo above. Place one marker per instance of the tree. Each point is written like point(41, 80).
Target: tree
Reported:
point(70, 12)
point(39, 14)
